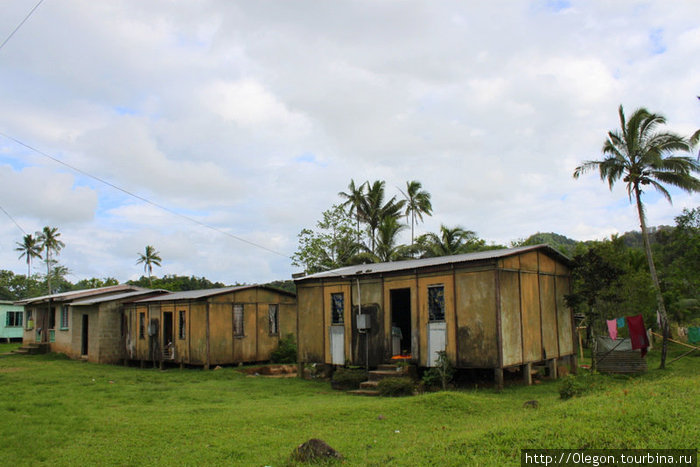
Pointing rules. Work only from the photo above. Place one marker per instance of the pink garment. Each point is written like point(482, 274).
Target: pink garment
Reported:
point(612, 328)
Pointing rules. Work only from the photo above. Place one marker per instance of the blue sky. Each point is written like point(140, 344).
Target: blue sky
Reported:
point(251, 117)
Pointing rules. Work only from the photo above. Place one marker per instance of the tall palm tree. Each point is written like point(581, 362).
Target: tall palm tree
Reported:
point(642, 156)
point(374, 209)
point(387, 247)
point(353, 202)
point(417, 203)
point(48, 238)
point(30, 248)
point(450, 241)
point(149, 258)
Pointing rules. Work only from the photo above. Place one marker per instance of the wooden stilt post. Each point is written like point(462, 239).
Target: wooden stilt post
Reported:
point(573, 363)
point(498, 377)
point(552, 367)
point(527, 373)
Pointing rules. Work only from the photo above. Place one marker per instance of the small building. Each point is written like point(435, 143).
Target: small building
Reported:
point(498, 309)
point(81, 323)
point(210, 327)
point(11, 320)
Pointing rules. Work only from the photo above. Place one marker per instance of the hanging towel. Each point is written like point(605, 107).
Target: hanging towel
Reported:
point(612, 328)
point(620, 322)
point(694, 335)
point(638, 333)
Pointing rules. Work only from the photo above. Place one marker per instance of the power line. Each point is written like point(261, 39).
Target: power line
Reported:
point(141, 198)
point(20, 24)
point(13, 220)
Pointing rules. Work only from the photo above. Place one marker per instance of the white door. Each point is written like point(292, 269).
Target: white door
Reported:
point(337, 341)
point(437, 333)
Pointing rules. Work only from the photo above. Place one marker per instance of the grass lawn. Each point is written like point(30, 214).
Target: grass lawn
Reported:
point(62, 412)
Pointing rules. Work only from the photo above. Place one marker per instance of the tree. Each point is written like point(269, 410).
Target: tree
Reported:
point(387, 248)
point(374, 209)
point(417, 203)
point(353, 202)
point(640, 156)
point(149, 259)
point(450, 241)
point(50, 242)
point(30, 248)
point(330, 246)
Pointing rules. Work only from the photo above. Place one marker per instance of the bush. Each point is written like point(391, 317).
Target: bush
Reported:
point(571, 387)
point(395, 387)
point(347, 378)
point(286, 351)
point(441, 374)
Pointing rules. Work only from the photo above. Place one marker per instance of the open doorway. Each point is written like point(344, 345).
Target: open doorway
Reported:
point(84, 336)
point(401, 321)
point(168, 336)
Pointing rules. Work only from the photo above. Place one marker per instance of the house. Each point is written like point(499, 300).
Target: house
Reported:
point(498, 309)
point(81, 323)
point(11, 320)
point(210, 327)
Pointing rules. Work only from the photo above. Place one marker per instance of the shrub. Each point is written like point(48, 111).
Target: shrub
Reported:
point(348, 378)
point(395, 387)
point(441, 374)
point(570, 387)
point(286, 351)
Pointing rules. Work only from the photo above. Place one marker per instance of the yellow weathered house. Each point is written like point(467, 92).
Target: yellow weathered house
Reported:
point(495, 309)
point(210, 327)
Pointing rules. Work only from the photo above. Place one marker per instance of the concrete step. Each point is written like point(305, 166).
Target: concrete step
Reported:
point(369, 385)
point(387, 367)
point(378, 375)
point(32, 348)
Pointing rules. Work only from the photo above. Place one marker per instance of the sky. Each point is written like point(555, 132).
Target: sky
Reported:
point(246, 119)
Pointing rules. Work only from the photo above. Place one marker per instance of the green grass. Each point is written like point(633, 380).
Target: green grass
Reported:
point(62, 412)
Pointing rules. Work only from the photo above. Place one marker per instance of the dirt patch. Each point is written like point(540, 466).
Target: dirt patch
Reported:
point(274, 371)
point(315, 450)
point(11, 370)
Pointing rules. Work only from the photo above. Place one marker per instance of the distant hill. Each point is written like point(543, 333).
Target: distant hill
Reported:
point(560, 242)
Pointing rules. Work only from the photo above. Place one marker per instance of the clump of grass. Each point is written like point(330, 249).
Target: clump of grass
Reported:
point(348, 378)
point(286, 352)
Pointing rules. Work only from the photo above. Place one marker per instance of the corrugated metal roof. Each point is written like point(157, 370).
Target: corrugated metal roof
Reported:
point(121, 296)
point(75, 294)
point(393, 266)
point(204, 293)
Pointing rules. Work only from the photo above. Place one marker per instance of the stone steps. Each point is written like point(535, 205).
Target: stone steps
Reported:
point(369, 387)
point(32, 349)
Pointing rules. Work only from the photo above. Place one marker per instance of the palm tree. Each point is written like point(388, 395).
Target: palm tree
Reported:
point(49, 241)
point(451, 241)
point(29, 248)
point(353, 202)
point(641, 156)
point(417, 203)
point(387, 247)
point(374, 209)
point(149, 258)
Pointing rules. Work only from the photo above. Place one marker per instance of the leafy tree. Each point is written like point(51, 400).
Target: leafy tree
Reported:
point(30, 248)
point(417, 203)
point(450, 241)
point(330, 246)
point(95, 283)
point(557, 241)
point(176, 283)
point(50, 242)
point(149, 258)
point(18, 287)
point(387, 248)
point(640, 156)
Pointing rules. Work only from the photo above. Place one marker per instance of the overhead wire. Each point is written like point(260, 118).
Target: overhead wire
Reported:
point(20, 24)
point(13, 220)
point(141, 198)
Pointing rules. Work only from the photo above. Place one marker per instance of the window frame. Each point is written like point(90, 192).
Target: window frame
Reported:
point(335, 312)
point(436, 301)
point(14, 319)
point(142, 325)
point(238, 320)
point(273, 319)
point(181, 324)
point(64, 319)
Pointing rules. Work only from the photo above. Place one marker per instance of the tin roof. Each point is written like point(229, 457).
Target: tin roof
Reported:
point(393, 266)
point(129, 296)
point(204, 293)
point(76, 294)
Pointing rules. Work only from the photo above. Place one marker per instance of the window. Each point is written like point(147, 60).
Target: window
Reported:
point(238, 330)
point(337, 308)
point(273, 319)
point(142, 325)
point(13, 318)
point(436, 303)
point(181, 324)
point(64, 317)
